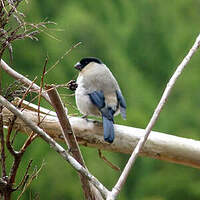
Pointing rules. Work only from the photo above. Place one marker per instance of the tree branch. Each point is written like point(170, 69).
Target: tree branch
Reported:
point(2, 141)
point(55, 146)
point(3, 156)
point(70, 138)
point(117, 188)
point(89, 133)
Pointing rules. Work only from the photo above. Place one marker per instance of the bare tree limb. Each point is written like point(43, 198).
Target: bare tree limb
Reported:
point(69, 138)
point(89, 133)
point(3, 156)
point(2, 140)
point(55, 146)
point(117, 188)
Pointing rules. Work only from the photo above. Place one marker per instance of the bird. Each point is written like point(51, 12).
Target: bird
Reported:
point(98, 94)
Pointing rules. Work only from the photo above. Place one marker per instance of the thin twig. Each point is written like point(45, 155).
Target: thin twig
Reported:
point(27, 142)
point(107, 161)
point(26, 92)
point(14, 136)
point(117, 188)
point(23, 79)
point(8, 143)
point(3, 155)
point(41, 87)
point(23, 181)
point(61, 58)
point(33, 176)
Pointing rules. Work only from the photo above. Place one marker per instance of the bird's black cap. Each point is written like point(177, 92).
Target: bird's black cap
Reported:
point(85, 61)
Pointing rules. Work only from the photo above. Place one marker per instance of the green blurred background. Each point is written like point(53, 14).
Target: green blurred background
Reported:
point(142, 42)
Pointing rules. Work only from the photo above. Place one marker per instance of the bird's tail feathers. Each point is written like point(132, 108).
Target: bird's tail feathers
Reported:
point(108, 130)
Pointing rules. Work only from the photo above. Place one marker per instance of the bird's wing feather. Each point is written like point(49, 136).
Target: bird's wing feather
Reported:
point(98, 99)
point(122, 104)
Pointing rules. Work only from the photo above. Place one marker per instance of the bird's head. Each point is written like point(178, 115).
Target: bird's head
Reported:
point(85, 61)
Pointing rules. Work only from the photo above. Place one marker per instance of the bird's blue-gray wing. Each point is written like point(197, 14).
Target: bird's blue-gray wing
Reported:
point(98, 99)
point(122, 104)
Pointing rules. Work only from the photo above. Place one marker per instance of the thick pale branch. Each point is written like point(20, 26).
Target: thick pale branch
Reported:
point(89, 133)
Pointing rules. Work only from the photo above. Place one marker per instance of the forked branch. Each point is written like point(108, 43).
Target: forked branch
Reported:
point(55, 146)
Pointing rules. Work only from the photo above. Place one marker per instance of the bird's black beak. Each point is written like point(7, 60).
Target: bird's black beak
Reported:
point(78, 66)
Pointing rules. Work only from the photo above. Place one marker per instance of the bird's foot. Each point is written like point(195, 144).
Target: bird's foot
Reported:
point(72, 85)
point(84, 117)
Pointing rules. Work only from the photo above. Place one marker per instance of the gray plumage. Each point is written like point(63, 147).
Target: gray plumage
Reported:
point(98, 94)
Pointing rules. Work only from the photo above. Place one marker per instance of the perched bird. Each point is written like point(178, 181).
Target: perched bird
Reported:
point(98, 94)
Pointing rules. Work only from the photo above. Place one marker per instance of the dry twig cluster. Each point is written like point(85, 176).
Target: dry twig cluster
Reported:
point(14, 27)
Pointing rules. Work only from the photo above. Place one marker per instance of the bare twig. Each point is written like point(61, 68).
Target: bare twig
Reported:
point(14, 136)
point(3, 156)
point(15, 89)
point(61, 58)
point(23, 79)
point(27, 142)
point(24, 179)
point(20, 29)
point(26, 92)
point(8, 143)
point(107, 161)
point(117, 188)
point(32, 177)
point(41, 87)
point(55, 146)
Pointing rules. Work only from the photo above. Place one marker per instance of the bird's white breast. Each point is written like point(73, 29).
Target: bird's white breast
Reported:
point(83, 101)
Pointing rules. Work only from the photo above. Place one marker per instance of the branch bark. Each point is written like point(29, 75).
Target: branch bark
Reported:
point(89, 133)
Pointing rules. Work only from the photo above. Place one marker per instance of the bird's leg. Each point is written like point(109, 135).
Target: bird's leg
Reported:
point(72, 85)
point(85, 117)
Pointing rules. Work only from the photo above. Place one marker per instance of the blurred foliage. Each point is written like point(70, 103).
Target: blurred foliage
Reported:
point(142, 42)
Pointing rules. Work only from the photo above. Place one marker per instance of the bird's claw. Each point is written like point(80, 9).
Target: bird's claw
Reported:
point(72, 85)
point(85, 117)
